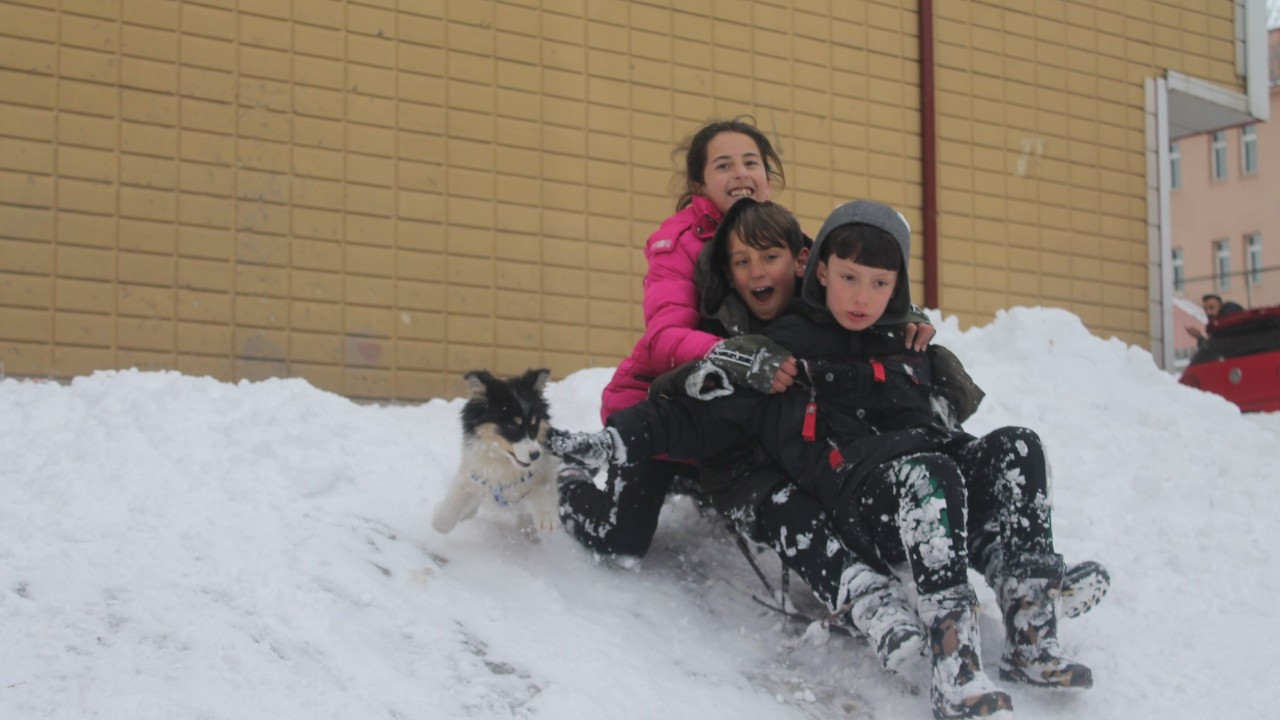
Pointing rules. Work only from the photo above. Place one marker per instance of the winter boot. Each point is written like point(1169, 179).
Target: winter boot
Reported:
point(960, 689)
point(589, 451)
point(878, 608)
point(1028, 598)
point(1083, 586)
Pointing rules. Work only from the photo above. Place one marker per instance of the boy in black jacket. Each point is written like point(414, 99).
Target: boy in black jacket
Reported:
point(888, 469)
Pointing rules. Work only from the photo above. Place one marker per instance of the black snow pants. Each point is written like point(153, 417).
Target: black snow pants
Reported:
point(1007, 477)
point(622, 518)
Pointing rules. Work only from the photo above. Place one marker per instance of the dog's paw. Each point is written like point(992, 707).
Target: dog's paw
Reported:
point(443, 522)
point(542, 521)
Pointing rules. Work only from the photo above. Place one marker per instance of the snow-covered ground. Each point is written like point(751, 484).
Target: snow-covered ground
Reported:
point(175, 547)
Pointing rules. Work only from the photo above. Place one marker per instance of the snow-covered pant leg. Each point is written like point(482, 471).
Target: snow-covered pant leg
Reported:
point(1010, 514)
point(920, 500)
point(795, 525)
point(687, 429)
point(622, 518)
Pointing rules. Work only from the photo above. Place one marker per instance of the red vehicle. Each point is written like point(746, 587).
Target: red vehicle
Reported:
point(1241, 359)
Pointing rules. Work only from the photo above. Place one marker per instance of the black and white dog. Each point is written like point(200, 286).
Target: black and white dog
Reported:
point(504, 460)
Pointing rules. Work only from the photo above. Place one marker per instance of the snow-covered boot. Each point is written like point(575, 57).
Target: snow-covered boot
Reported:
point(959, 688)
point(1083, 586)
point(589, 451)
point(1028, 598)
point(878, 607)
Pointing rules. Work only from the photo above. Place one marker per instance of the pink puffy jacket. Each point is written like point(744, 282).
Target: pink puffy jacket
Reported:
point(670, 306)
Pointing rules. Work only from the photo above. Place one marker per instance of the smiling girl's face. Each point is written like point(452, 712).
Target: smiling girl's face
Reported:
point(734, 170)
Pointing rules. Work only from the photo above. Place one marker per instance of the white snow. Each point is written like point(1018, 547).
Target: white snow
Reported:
point(175, 547)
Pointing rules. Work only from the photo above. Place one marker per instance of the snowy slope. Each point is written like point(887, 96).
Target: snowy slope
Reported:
point(175, 547)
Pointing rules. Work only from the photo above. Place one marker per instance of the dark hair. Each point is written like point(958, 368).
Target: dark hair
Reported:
point(694, 150)
point(761, 225)
point(864, 244)
point(1212, 296)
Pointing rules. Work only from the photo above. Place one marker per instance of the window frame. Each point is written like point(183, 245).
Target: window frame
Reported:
point(1218, 169)
point(1249, 150)
point(1175, 165)
point(1222, 264)
point(1179, 272)
point(1253, 259)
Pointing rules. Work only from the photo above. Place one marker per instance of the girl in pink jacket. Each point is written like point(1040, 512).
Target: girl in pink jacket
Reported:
point(724, 161)
point(739, 166)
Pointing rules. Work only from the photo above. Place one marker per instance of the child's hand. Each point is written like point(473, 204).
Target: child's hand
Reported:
point(785, 376)
point(752, 361)
point(919, 335)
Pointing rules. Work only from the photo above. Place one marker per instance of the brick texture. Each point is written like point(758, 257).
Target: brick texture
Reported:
point(377, 200)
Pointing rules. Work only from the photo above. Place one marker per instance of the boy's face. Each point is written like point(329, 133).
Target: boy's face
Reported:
point(734, 170)
point(766, 279)
point(856, 294)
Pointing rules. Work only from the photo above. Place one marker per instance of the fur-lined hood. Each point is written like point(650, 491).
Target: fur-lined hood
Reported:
point(868, 213)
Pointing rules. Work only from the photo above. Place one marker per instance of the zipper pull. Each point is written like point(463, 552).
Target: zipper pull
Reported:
point(810, 430)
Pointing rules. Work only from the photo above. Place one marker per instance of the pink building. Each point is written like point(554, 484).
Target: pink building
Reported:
point(1225, 212)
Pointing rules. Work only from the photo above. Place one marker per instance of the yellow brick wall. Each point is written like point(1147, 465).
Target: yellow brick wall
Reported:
point(378, 196)
point(1043, 164)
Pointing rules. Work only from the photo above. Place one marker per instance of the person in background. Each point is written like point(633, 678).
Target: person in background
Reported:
point(1214, 308)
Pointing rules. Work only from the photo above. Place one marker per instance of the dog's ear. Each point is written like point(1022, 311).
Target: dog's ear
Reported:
point(537, 379)
point(479, 381)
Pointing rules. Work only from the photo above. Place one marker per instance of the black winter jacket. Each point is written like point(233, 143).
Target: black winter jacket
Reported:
point(868, 398)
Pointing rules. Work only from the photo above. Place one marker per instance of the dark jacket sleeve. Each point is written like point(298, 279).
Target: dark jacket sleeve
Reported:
point(952, 384)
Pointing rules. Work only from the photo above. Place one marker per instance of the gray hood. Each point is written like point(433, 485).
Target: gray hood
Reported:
point(868, 213)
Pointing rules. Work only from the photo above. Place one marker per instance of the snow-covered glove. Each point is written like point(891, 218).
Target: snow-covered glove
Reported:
point(589, 451)
point(706, 381)
point(751, 361)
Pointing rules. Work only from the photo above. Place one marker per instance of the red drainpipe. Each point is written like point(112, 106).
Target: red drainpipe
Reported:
point(929, 155)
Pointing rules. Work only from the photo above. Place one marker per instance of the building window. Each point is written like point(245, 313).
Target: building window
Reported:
point(1175, 165)
point(1253, 248)
point(1179, 273)
point(1222, 262)
point(1249, 150)
point(1218, 156)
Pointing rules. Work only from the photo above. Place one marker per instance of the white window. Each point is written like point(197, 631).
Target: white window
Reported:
point(1175, 165)
point(1249, 150)
point(1218, 159)
point(1179, 273)
point(1253, 246)
point(1222, 260)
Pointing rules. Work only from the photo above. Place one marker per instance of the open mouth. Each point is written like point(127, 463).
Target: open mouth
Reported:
point(517, 461)
point(763, 295)
point(741, 193)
